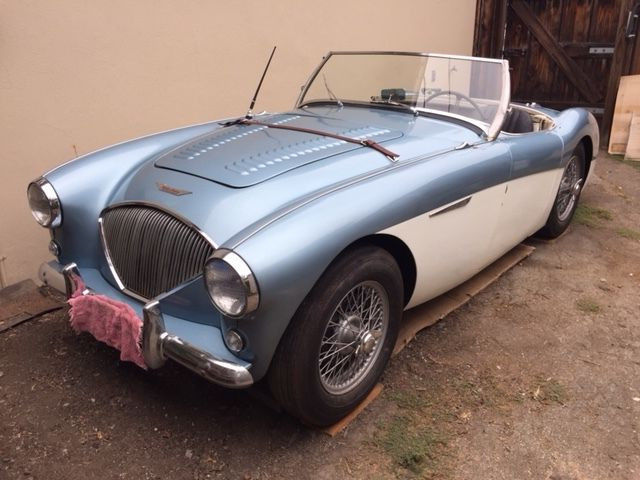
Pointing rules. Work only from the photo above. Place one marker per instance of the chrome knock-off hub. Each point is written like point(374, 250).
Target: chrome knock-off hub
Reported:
point(353, 337)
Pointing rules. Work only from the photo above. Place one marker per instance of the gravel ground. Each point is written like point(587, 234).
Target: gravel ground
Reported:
point(537, 377)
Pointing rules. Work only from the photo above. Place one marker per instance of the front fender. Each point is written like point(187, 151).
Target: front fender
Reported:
point(86, 184)
point(289, 255)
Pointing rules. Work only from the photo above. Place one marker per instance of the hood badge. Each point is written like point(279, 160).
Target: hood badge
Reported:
point(163, 187)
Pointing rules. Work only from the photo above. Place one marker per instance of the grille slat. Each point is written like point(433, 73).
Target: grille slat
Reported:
point(152, 251)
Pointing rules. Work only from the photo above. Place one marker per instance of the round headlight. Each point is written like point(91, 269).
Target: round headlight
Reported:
point(44, 203)
point(231, 284)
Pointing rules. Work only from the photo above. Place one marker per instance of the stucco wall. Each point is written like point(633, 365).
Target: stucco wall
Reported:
point(77, 75)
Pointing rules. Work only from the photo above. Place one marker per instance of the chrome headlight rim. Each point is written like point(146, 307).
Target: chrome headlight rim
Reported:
point(246, 276)
point(55, 209)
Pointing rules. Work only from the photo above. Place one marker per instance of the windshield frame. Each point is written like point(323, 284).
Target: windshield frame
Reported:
point(490, 130)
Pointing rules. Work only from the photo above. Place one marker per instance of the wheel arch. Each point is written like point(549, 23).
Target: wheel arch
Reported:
point(587, 144)
point(399, 251)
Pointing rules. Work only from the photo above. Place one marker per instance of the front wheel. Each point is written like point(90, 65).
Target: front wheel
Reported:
point(566, 202)
point(340, 339)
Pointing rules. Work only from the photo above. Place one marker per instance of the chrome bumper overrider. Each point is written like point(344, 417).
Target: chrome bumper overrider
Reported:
point(158, 344)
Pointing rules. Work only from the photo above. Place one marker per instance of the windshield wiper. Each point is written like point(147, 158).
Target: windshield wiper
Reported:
point(331, 94)
point(395, 104)
point(358, 141)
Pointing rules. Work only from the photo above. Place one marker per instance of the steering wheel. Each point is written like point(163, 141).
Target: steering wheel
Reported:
point(459, 96)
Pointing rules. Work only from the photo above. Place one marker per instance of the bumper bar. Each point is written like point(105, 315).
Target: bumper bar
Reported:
point(158, 344)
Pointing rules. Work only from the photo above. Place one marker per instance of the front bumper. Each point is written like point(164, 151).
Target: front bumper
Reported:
point(157, 343)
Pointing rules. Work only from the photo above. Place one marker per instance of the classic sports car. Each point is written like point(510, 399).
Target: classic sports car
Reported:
point(286, 246)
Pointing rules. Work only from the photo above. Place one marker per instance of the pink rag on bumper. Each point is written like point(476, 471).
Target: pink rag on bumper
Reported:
point(112, 322)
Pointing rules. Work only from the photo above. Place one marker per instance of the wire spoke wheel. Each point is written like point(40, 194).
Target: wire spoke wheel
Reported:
point(340, 339)
point(569, 190)
point(353, 337)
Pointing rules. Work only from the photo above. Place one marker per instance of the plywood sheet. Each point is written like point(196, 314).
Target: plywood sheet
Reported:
point(336, 428)
point(23, 301)
point(633, 146)
point(429, 313)
point(627, 103)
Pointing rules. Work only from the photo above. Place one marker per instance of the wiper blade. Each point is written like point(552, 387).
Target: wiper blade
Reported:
point(395, 104)
point(358, 141)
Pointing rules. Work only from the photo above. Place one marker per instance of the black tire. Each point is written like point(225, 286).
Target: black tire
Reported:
point(559, 218)
point(294, 376)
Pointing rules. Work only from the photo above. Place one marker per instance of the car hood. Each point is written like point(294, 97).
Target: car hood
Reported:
point(245, 155)
point(207, 189)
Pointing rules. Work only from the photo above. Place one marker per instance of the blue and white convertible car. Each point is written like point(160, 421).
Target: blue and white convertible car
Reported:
point(286, 246)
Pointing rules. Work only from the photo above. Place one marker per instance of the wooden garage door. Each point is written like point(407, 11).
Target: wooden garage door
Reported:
point(562, 53)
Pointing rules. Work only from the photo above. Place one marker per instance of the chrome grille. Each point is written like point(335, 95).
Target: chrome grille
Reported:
point(149, 250)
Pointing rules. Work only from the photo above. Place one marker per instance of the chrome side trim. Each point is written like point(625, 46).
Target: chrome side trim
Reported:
point(105, 248)
point(448, 208)
point(158, 345)
point(335, 188)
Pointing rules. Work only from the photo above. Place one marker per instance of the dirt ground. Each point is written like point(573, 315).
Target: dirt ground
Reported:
point(537, 377)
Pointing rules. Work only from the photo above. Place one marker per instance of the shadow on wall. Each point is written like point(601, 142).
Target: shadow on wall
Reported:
point(78, 76)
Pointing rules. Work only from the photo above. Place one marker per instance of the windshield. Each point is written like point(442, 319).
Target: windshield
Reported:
point(471, 88)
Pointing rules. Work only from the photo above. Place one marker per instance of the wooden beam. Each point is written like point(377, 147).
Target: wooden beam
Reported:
point(571, 69)
point(633, 145)
point(499, 29)
point(632, 47)
point(479, 31)
point(490, 23)
point(617, 69)
point(627, 102)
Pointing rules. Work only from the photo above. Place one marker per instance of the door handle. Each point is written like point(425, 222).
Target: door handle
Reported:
point(632, 21)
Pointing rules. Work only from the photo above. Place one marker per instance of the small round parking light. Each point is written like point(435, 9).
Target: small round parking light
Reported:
point(234, 341)
point(54, 248)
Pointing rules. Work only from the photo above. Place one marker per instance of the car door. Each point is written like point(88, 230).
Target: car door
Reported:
point(454, 237)
point(534, 179)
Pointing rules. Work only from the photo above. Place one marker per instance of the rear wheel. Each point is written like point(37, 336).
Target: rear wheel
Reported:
point(568, 195)
point(340, 339)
